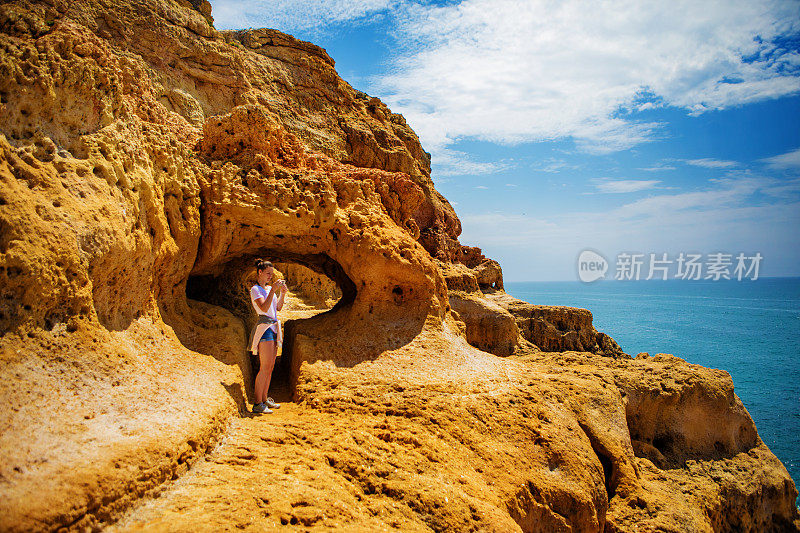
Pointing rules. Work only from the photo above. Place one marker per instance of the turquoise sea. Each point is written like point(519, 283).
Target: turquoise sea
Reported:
point(749, 328)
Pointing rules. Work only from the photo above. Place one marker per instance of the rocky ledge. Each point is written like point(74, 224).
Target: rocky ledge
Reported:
point(145, 159)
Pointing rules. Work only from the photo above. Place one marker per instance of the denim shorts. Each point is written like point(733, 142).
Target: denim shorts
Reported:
point(268, 335)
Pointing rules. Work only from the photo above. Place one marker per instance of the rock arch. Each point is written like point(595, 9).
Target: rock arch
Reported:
point(227, 289)
point(390, 285)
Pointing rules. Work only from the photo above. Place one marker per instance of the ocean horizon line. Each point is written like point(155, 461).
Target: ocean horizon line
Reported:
point(696, 281)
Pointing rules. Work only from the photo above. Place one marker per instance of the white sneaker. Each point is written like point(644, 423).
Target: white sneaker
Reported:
point(262, 409)
point(271, 404)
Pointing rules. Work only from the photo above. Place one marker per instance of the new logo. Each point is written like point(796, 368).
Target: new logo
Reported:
point(591, 266)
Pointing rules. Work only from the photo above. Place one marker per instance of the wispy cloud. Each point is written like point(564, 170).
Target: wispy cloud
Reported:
point(552, 164)
point(710, 163)
point(448, 162)
point(658, 168)
point(610, 185)
point(784, 189)
point(294, 15)
point(784, 161)
point(721, 193)
point(508, 71)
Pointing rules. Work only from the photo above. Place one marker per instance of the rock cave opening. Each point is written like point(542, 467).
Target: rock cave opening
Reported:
point(317, 285)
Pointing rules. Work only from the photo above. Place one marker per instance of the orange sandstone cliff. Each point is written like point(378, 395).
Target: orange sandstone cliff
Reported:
point(145, 159)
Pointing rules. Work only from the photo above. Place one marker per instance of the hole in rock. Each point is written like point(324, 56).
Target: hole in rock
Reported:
point(608, 470)
point(663, 443)
point(317, 285)
point(606, 461)
point(397, 295)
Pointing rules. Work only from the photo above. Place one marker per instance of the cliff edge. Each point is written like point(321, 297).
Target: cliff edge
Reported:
point(145, 159)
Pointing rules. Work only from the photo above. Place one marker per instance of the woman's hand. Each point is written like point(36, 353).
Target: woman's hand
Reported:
point(284, 291)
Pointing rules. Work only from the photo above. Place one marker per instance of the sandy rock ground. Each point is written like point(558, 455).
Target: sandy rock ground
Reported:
point(532, 444)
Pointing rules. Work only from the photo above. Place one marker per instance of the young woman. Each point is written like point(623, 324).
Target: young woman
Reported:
point(267, 334)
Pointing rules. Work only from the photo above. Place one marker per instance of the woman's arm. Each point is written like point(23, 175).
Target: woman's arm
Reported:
point(264, 303)
point(284, 290)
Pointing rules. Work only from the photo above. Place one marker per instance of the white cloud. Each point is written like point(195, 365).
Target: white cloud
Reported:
point(784, 161)
point(784, 189)
point(449, 162)
point(609, 185)
point(481, 187)
point(509, 71)
point(710, 163)
point(293, 15)
point(657, 168)
point(552, 164)
point(724, 192)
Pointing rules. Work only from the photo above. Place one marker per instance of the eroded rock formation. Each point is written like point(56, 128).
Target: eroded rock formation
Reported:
point(145, 159)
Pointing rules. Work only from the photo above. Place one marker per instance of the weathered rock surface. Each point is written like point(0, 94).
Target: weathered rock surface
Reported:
point(496, 322)
point(145, 159)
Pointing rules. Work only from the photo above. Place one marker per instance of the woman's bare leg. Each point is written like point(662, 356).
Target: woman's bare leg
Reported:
point(266, 358)
point(272, 354)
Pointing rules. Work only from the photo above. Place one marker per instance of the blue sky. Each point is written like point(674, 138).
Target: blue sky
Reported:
point(559, 126)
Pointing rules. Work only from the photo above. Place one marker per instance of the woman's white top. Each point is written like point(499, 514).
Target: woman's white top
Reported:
point(256, 292)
